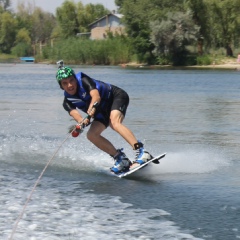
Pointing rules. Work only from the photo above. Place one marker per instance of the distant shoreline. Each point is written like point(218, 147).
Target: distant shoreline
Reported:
point(229, 65)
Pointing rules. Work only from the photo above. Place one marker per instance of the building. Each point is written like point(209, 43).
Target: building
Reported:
point(109, 23)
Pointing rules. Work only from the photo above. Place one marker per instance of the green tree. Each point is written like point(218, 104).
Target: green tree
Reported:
point(74, 18)
point(67, 19)
point(56, 32)
point(89, 14)
point(171, 36)
point(160, 9)
point(38, 22)
point(8, 26)
point(81, 16)
point(137, 17)
point(5, 4)
point(22, 49)
point(137, 27)
point(24, 16)
point(119, 3)
point(23, 36)
point(200, 12)
point(23, 45)
point(42, 25)
point(225, 22)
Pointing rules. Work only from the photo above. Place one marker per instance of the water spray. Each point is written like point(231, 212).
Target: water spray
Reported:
point(77, 128)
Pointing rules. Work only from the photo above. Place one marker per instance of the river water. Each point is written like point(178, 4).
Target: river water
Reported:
point(193, 115)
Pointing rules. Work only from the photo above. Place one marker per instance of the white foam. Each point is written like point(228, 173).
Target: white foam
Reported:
point(191, 162)
point(90, 216)
point(64, 210)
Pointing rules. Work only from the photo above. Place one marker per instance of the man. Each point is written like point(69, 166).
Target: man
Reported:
point(107, 105)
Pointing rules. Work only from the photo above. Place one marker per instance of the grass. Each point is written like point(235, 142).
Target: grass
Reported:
point(6, 56)
point(112, 53)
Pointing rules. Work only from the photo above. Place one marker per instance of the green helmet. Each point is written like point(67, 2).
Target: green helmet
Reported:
point(64, 72)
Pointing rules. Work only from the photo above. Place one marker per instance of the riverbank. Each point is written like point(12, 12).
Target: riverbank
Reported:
point(227, 65)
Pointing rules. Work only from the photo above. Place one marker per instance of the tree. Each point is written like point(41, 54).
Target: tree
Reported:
point(67, 19)
point(38, 23)
point(23, 36)
point(137, 17)
point(8, 26)
point(88, 14)
point(42, 25)
point(137, 27)
point(225, 21)
point(199, 14)
point(22, 44)
point(74, 18)
point(24, 17)
point(119, 3)
point(5, 4)
point(171, 36)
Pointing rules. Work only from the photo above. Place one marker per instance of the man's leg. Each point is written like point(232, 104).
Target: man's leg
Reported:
point(116, 119)
point(94, 135)
point(121, 162)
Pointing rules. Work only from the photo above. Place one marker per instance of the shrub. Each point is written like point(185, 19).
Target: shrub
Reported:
point(204, 60)
point(22, 49)
point(84, 51)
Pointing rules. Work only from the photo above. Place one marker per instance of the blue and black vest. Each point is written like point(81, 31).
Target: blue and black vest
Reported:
point(82, 99)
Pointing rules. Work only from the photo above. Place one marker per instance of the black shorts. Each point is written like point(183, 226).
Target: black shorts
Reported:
point(119, 101)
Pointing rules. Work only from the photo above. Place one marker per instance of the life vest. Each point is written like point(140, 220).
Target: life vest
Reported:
point(82, 99)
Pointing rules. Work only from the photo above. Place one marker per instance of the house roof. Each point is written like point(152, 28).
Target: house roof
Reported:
point(118, 15)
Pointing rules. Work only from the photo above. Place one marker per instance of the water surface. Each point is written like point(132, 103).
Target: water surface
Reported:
point(193, 115)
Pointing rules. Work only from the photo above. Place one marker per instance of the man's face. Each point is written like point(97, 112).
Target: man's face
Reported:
point(69, 85)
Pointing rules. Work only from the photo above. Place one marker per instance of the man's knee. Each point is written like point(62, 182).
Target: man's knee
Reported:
point(91, 136)
point(116, 125)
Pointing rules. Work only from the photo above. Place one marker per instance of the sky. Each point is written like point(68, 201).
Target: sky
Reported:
point(51, 5)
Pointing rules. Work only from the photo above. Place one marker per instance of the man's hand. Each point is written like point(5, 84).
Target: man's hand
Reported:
point(86, 121)
point(91, 112)
point(93, 109)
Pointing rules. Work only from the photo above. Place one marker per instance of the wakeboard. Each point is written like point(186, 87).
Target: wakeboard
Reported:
point(135, 166)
